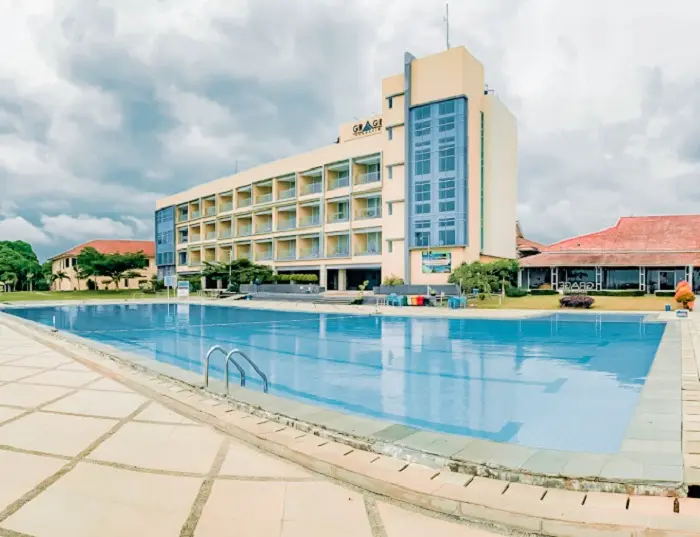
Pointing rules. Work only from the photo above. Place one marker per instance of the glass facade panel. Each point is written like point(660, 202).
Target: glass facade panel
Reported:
point(664, 279)
point(437, 171)
point(165, 237)
point(621, 278)
point(577, 275)
point(536, 278)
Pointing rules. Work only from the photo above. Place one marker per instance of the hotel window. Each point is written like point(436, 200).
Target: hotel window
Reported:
point(446, 194)
point(446, 124)
point(446, 154)
point(447, 234)
point(391, 102)
point(423, 162)
point(422, 125)
point(389, 246)
point(390, 172)
point(182, 258)
point(422, 235)
point(422, 197)
point(446, 108)
point(343, 207)
point(390, 132)
point(389, 208)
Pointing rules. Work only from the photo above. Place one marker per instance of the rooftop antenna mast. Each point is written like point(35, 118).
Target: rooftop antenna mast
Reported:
point(447, 25)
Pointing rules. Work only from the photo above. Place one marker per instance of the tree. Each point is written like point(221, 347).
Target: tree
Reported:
point(113, 266)
point(30, 277)
point(18, 258)
point(59, 277)
point(10, 280)
point(237, 272)
point(486, 277)
point(81, 274)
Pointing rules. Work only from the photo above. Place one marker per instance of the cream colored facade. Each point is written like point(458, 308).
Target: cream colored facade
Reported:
point(354, 205)
point(67, 264)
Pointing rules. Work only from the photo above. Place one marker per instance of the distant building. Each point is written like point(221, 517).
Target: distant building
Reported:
point(414, 192)
point(525, 246)
point(647, 253)
point(67, 262)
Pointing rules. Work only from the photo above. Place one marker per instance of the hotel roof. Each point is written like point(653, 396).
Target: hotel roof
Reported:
point(633, 241)
point(113, 247)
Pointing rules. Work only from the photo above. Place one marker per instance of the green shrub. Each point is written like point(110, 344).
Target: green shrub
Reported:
point(393, 280)
point(486, 277)
point(635, 292)
point(515, 292)
point(666, 293)
point(542, 292)
point(299, 278)
point(576, 301)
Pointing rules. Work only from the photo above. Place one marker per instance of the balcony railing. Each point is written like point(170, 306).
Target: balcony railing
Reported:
point(369, 177)
point(196, 263)
point(339, 252)
point(244, 255)
point(195, 238)
point(369, 212)
point(210, 211)
point(244, 231)
point(308, 221)
point(264, 256)
point(311, 188)
point(245, 202)
point(226, 207)
point(310, 253)
point(182, 240)
point(338, 217)
point(196, 214)
point(181, 261)
point(182, 217)
point(263, 228)
point(286, 255)
point(225, 234)
point(211, 235)
point(338, 182)
point(264, 198)
point(225, 256)
point(289, 193)
point(287, 224)
point(370, 250)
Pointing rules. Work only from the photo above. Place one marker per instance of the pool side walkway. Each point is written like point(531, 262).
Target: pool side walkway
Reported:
point(83, 454)
point(95, 447)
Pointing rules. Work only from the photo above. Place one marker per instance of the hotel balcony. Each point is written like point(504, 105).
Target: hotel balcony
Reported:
point(244, 197)
point(367, 242)
point(244, 250)
point(338, 211)
point(262, 192)
point(225, 229)
point(338, 175)
point(311, 182)
point(310, 220)
point(209, 206)
point(195, 209)
point(210, 231)
point(366, 170)
point(225, 254)
point(263, 251)
point(262, 221)
point(182, 259)
point(226, 202)
point(286, 219)
point(182, 236)
point(182, 213)
point(309, 247)
point(209, 254)
point(195, 237)
point(286, 187)
point(286, 249)
point(263, 227)
point(195, 258)
point(338, 245)
point(244, 230)
point(194, 233)
point(366, 208)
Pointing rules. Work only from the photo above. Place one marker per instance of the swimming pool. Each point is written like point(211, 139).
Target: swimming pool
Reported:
point(562, 381)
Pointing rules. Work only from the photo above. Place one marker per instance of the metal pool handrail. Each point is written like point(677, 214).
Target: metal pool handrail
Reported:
point(228, 358)
point(263, 376)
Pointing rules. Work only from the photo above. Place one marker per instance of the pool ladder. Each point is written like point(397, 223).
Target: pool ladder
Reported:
point(230, 359)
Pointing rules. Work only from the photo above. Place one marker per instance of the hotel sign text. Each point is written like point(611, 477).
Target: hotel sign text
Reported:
point(369, 127)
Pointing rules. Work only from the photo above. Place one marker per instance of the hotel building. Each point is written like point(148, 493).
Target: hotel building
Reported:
point(412, 193)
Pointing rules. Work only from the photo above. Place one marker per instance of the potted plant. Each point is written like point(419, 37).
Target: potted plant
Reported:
point(685, 296)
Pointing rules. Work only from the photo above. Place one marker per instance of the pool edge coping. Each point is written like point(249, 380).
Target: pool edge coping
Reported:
point(484, 458)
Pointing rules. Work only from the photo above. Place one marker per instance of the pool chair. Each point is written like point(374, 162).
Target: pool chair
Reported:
point(455, 302)
point(394, 300)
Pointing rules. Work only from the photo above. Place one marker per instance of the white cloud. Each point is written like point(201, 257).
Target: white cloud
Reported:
point(86, 227)
point(19, 229)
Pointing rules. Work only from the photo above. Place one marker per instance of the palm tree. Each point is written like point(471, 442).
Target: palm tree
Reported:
point(58, 277)
point(30, 277)
point(82, 274)
point(10, 279)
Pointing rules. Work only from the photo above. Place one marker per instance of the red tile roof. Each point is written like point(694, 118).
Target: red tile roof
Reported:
point(633, 241)
point(527, 245)
point(113, 247)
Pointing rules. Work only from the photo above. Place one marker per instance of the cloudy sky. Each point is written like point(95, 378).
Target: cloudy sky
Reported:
point(105, 106)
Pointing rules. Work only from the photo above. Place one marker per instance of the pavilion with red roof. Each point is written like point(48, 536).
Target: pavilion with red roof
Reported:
point(647, 253)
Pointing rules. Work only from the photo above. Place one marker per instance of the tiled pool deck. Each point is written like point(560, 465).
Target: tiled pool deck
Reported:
point(660, 454)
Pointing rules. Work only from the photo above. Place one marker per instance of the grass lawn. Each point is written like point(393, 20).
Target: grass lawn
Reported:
point(609, 303)
point(19, 296)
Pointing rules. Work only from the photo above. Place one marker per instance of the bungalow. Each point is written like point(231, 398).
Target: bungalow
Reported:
point(646, 253)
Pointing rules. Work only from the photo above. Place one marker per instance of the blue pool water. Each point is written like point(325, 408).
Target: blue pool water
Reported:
point(562, 381)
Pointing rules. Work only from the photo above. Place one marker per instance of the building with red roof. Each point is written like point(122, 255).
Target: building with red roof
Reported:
point(648, 253)
point(66, 263)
